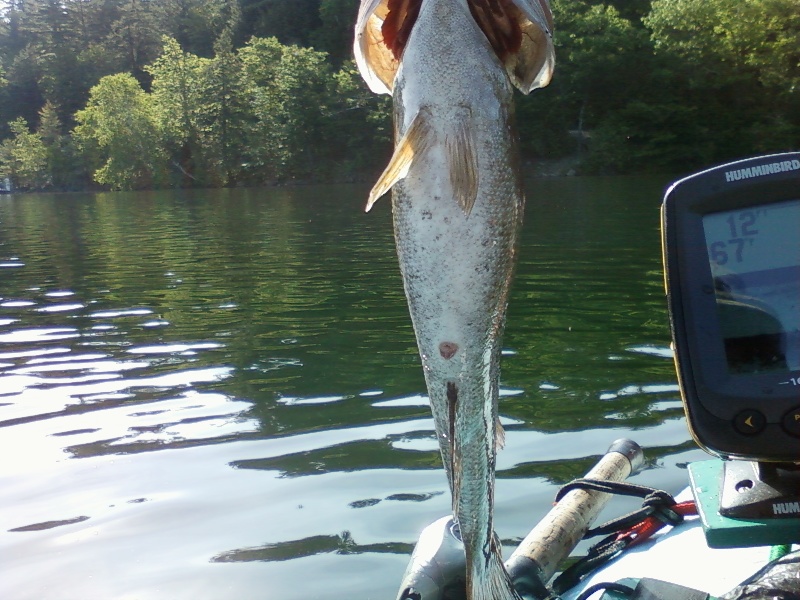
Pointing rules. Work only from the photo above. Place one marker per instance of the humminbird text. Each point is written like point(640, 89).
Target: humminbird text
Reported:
point(786, 508)
point(768, 169)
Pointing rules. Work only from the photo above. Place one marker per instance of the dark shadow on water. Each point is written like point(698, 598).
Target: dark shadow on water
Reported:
point(318, 544)
point(353, 456)
point(49, 524)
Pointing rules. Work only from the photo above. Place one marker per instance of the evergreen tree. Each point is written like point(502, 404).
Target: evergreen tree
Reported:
point(134, 39)
point(64, 168)
point(292, 23)
point(335, 32)
point(227, 113)
point(195, 24)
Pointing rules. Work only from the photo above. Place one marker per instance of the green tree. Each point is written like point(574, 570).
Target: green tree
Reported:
point(177, 94)
point(603, 62)
point(133, 40)
point(201, 109)
point(23, 158)
point(289, 91)
point(602, 59)
point(23, 91)
point(739, 65)
point(118, 134)
point(335, 32)
point(226, 111)
point(290, 22)
point(195, 24)
point(54, 44)
point(359, 126)
point(732, 41)
point(64, 167)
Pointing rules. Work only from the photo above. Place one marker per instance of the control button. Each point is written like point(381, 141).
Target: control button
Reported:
point(749, 422)
point(791, 422)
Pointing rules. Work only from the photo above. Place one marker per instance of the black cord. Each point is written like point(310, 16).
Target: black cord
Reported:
point(655, 502)
point(614, 587)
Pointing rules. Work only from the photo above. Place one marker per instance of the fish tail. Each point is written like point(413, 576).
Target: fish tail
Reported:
point(488, 579)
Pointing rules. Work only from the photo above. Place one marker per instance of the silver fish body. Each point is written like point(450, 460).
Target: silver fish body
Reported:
point(456, 266)
point(457, 205)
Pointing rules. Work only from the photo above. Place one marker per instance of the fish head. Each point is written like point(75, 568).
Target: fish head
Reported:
point(519, 31)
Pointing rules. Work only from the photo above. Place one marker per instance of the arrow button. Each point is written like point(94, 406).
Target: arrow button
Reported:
point(749, 422)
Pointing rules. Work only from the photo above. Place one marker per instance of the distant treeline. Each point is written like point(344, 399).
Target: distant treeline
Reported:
point(133, 94)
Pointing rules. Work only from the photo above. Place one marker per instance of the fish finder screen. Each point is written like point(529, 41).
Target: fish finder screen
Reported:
point(755, 262)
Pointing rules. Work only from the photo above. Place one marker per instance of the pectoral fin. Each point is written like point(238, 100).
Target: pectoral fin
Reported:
point(462, 161)
point(415, 141)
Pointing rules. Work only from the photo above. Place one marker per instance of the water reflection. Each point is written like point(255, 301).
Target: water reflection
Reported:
point(223, 387)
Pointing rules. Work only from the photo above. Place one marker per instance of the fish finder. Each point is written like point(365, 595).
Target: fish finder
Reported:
point(731, 244)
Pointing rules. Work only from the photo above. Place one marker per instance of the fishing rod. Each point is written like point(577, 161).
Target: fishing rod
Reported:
point(437, 567)
point(539, 555)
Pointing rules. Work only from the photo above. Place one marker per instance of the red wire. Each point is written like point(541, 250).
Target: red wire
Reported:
point(644, 530)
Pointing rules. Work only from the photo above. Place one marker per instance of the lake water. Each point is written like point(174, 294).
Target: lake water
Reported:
point(217, 395)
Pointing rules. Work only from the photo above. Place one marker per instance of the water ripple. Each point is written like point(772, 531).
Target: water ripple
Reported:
point(203, 381)
point(53, 308)
point(43, 334)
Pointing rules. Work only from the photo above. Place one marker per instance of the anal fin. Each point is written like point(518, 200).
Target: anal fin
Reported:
point(415, 141)
point(499, 435)
point(462, 162)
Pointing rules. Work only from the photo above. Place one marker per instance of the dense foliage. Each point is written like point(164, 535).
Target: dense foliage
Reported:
point(130, 94)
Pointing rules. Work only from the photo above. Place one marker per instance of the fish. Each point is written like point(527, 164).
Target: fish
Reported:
point(457, 206)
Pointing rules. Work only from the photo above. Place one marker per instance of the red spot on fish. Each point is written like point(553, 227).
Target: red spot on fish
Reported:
point(500, 22)
point(398, 24)
point(448, 350)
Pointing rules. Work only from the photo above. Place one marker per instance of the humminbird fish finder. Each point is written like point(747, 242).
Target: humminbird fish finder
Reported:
point(731, 243)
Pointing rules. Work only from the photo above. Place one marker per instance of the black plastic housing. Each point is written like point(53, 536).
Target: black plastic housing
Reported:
point(733, 415)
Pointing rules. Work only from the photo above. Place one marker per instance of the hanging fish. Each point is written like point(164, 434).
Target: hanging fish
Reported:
point(457, 203)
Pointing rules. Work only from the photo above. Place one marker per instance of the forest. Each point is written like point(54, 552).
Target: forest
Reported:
point(147, 94)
